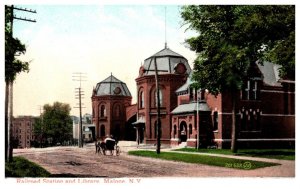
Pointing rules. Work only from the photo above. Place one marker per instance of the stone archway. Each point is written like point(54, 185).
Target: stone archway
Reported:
point(183, 131)
point(130, 131)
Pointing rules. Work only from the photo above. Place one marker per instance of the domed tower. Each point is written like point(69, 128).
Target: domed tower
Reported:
point(109, 101)
point(173, 70)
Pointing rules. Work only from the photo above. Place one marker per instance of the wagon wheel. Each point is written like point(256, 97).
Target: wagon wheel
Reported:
point(118, 150)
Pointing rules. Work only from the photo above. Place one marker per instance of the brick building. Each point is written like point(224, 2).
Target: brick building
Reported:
point(109, 101)
point(22, 131)
point(265, 107)
point(265, 113)
point(173, 70)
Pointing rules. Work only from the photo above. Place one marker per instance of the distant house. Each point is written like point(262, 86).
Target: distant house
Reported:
point(88, 129)
point(23, 131)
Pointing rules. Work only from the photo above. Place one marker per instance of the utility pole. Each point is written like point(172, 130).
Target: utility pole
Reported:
point(79, 76)
point(9, 104)
point(42, 126)
point(158, 123)
point(198, 128)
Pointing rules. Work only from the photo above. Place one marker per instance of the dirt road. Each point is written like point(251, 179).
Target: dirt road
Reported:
point(83, 162)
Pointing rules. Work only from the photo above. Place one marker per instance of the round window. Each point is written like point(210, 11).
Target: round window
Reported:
point(117, 90)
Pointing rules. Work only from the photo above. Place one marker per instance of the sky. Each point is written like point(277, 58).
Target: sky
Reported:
point(94, 39)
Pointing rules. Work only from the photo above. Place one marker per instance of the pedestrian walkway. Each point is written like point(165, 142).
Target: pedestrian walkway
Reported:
point(230, 156)
point(129, 145)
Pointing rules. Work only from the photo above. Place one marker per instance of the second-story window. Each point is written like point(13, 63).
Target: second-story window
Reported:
point(142, 99)
point(201, 94)
point(215, 120)
point(250, 90)
point(102, 111)
point(160, 98)
point(191, 91)
point(117, 110)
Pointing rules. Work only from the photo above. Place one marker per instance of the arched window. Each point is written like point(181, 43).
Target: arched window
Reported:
point(142, 99)
point(243, 118)
point(215, 120)
point(183, 131)
point(117, 110)
point(191, 91)
point(102, 111)
point(160, 98)
point(190, 130)
point(93, 112)
point(252, 121)
point(250, 90)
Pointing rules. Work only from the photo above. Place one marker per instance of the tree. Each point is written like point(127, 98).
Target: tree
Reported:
point(55, 123)
point(232, 38)
point(13, 66)
point(38, 132)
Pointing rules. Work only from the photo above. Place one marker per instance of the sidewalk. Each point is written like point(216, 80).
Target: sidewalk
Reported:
point(231, 156)
point(128, 145)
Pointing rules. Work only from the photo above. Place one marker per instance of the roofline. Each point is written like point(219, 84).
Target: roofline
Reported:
point(159, 75)
point(182, 92)
point(111, 82)
point(108, 96)
point(286, 81)
point(184, 113)
point(173, 56)
point(188, 112)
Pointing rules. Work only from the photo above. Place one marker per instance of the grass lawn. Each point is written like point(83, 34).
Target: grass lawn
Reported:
point(204, 159)
point(21, 167)
point(284, 154)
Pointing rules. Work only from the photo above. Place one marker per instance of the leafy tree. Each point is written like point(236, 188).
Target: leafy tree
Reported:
point(55, 123)
point(273, 28)
point(13, 66)
point(13, 47)
point(38, 132)
point(232, 38)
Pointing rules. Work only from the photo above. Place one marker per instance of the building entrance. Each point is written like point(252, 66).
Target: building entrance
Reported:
point(183, 132)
